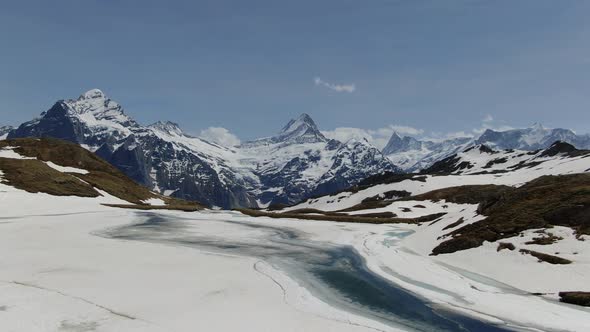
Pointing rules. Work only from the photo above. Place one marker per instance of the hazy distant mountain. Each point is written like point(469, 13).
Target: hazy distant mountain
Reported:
point(4, 131)
point(533, 138)
point(412, 154)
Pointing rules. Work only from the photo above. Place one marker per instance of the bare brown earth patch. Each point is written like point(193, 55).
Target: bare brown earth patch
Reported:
point(578, 298)
point(505, 245)
point(455, 224)
point(367, 219)
point(546, 257)
point(546, 239)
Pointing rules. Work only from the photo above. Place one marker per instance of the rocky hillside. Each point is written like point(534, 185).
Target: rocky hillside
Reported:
point(60, 168)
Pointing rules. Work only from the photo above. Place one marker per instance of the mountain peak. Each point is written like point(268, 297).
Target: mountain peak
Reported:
point(537, 126)
point(167, 127)
point(301, 129)
point(303, 121)
point(97, 110)
point(401, 144)
point(92, 94)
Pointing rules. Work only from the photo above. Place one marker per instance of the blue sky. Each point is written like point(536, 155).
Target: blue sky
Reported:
point(249, 66)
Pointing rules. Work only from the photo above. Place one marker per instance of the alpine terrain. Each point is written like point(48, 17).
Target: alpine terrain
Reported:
point(297, 163)
point(412, 154)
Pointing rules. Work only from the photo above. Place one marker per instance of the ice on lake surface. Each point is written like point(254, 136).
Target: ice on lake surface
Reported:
point(335, 273)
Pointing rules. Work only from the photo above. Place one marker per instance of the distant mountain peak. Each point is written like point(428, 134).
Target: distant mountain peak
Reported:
point(92, 94)
point(401, 144)
point(395, 135)
point(537, 126)
point(303, 122)
point(300, 130)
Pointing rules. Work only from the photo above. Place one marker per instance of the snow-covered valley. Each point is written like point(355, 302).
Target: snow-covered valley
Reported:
point(70, 264)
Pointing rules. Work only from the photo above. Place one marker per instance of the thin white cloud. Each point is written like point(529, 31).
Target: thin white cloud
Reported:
point(488, 122)
point(350, 88)
point(406, 130)
point(220, 136)
point(344, 134)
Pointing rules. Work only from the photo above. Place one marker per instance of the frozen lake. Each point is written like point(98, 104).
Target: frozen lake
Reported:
point(336, 274)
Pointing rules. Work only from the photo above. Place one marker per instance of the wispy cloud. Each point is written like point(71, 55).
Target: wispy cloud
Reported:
point(350, 88)
point(406, 130)
point(488, 122)
point(220, 136)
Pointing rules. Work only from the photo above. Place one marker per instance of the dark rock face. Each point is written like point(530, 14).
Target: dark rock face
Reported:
point(155, 163)
point(53, 123)
point(560, 147)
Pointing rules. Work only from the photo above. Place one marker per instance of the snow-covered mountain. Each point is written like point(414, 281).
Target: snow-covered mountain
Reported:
point(477, 165)
point(412, 154)
point(4, 131)
point(300, 162)
point(532, 138)
point(286, 168)
point(159, 156)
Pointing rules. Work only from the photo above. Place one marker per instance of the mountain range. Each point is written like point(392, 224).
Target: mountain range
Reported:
point(412, 154)
point(297, 163)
